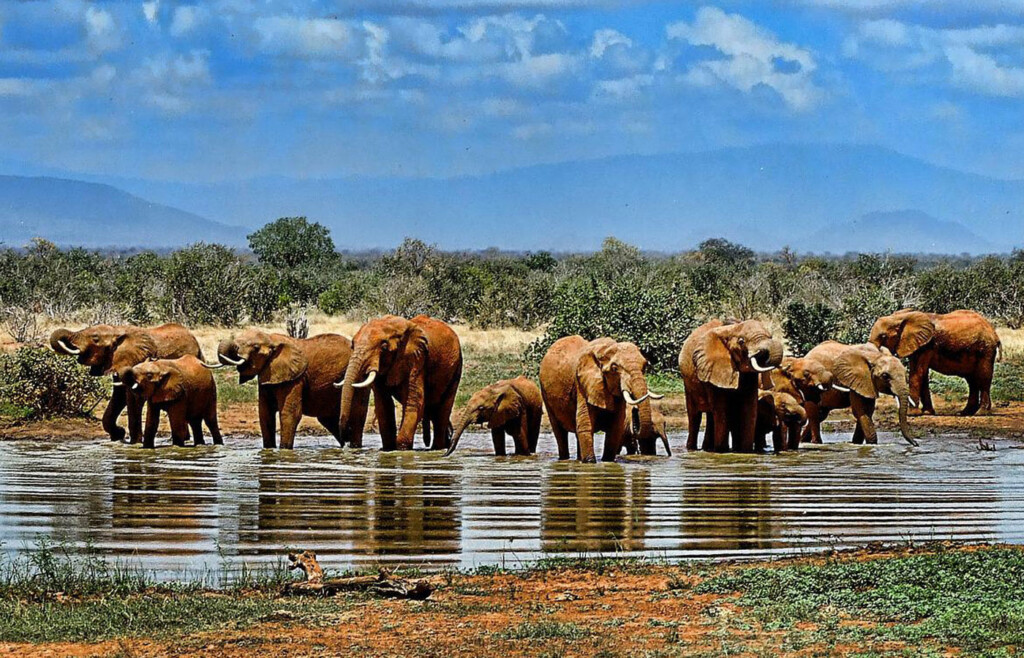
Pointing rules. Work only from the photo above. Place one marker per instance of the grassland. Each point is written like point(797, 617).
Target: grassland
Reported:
point(930, 600)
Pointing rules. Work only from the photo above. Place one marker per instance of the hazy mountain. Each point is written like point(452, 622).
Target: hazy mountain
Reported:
point(764, 196)
point(71, 212)
point(894, 231)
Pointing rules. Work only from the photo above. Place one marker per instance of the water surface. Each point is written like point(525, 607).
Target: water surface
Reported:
point(178, 510)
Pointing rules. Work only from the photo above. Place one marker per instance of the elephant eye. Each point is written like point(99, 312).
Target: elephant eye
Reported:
point(742, 341)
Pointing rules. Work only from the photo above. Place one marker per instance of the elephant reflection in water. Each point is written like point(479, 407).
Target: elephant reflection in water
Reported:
point(390, 508)
point(586, 511)
point(729, 514)
point(166, 499)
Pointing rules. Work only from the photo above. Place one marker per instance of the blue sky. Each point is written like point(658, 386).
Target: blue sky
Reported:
point(230, 89)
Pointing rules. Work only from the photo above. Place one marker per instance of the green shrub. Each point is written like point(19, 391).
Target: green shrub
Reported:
point(39, 383)
point(205, 285)
point(807, 325)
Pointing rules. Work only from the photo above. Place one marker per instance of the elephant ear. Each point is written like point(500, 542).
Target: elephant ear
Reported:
point(287, 362)
point(508, 404)
point(853, 370)
point(132, 348)
point(172, 386)
point(917, 330)
point(590, 377)
point(714, 363)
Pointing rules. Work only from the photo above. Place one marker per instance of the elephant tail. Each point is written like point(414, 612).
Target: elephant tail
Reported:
point(999, 351)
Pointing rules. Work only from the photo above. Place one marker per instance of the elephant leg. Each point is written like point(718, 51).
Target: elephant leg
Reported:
point(118, 401)
point(812, 432)
point(777, 443)
point(708, 445)
point(135, 404)
point(986, 371)
point(746, 419)
point(412, 412)
point(693, 418)
point(179, 425)
point(561, 439)
point(926, 395)
point(441, 417)
point(384, 408)
point(197, 430)
point(521, 435)
point(613, 436)
point(290, 403)
point(211, 424)
point(426, 431)
point(585, 423)
point(863, 410)
point(498, 437)
point(533, 430)
point(918, 375)
point(331, 424)
point(973, 397)
point(720, 437)
point(793, 440)
point(353, 433)
point(268, 417)
point(152, 423)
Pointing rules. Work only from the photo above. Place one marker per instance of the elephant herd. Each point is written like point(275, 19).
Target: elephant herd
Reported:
point(737, 380)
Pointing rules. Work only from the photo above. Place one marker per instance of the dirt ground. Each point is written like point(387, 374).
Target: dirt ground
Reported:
point(239, 421)
point(560, 612)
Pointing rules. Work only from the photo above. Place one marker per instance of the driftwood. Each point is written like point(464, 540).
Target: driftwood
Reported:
point(383, 584)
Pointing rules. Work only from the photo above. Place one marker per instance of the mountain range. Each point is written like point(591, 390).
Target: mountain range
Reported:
point(813, 198)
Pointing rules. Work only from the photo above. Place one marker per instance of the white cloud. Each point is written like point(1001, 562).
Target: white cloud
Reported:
point(623, 88)
point(185, 19)
point(755, 57)
point(151, 11)
point(309, 37)
point(100, 29)
point(980, 72)
point(539, 70)
point(16, 87)
point(603, 39)
point(171, 83)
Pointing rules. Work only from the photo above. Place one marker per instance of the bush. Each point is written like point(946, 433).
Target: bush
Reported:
point(206, 285)
point(807, 325)
point(38, 383)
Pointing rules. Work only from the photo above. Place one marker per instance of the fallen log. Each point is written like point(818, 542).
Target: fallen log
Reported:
point(383, 584)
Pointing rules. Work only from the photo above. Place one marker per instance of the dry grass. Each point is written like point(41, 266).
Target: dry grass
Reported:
point(1013, 344)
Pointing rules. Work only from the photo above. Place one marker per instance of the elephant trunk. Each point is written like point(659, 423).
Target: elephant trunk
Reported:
point(643, 423)
point(766, 355)
point(467, 419)
point(60, 342)
point(902, 393)
point(227, 353)
point(348, 391)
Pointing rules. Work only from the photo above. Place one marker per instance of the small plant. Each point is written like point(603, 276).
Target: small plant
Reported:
point(42, 384)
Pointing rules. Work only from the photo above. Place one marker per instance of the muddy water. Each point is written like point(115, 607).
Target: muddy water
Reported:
point(197, 509)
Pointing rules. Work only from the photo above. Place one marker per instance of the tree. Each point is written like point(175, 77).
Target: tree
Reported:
point(292, 242)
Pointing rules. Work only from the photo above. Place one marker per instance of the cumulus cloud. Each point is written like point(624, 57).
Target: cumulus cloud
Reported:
point(980, 72)
point(605, 39)
point(309, 37)
point(171, 83)
point(185, 19)
point(151, 11)
point(101, 30)
point(753, 57)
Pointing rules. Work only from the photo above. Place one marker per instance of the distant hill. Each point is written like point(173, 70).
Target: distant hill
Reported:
point(896, 231)
point(765, 197)
point(71, 212)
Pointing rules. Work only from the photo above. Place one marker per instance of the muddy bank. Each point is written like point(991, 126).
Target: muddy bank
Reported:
point(239, 420)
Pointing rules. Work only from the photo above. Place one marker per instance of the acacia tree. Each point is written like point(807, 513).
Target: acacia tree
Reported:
point(292, 242)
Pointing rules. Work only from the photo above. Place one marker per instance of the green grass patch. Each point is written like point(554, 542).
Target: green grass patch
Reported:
point(546, 630)
point(230, 391)
point(969, 599)
point(1007, 384)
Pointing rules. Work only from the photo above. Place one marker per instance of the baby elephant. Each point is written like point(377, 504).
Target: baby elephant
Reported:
point(512, 406)
point(783, 416)
point(182, 387)
point(633, 440)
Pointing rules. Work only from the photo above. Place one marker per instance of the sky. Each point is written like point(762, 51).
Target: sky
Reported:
point(235, 89)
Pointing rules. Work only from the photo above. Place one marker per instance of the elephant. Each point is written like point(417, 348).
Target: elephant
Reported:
point(417, 362)
point(112, 351)
point(586, 388)
point(961, 343)
point(806, 379)
point(860, 373)
point(182, 387)
point(296, 377)
point(511, 406)
point(721, 363)
point(781, 415)
point(636, 443)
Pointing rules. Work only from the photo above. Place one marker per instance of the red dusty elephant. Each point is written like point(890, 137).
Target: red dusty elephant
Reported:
point(510, 406)
point(807, 380)
point(417, 362)
point(183, 388)
point(721, 364)
point(296, 378)
point(112, 351)
point(961, 343)
point(586, 388)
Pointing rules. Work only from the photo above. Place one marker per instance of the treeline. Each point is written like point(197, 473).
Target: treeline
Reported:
point(653, 300)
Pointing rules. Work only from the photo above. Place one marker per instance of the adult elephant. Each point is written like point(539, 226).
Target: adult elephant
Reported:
point(961, 343)
point(512, 406)
point(721, 364)
point(296, 378)
point(806, 379)
point(586, 387)
point(112, 351)
point(417, 362)
point(860, 374)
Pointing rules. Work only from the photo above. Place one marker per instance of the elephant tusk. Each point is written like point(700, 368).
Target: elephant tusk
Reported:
point(340, 384)
point(212, 366)
point(227, 359)
point(899, 405)
point(758, 367)
point(135, 386)
point(67, 348)
point(114, 382)
point(822, 387)
point(366, 382)
point(655, 396)
point(630, 400)
point(841, 389)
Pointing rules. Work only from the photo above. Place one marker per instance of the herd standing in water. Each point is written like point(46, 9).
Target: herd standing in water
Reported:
point(737, 382)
